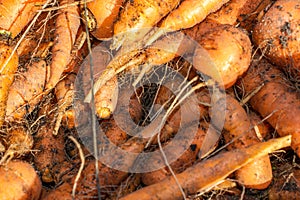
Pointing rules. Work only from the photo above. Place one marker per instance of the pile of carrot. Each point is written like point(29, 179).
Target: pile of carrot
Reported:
point(82, 80)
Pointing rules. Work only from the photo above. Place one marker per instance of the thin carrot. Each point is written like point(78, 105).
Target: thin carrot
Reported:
point(15, 14)
point(204, 175)
point(67, 24)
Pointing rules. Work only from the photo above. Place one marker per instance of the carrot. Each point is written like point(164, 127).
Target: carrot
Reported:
point(6, 76)
point(50, 160)
point(64, 92)
point(101, 16)
point(184, 161)
point(129, 185)
point(262, 128)
point(230, 51)
point(67, 24)
point(160, 52)
point(25, 92)
point(278, 33)
point(137, 17)
point(202, 176)
point(20, 180)
point(16, 14)
point(106, 97)
point(235, 11)
point(19, 142)
point(257, 174)
point(188, 14)
point(275, 100)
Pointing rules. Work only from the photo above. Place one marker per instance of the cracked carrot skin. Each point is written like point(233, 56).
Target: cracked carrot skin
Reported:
point(66, 27)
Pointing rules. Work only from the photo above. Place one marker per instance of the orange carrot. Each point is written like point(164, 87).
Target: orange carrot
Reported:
point(188, 14)
point(204, 175)
point(137, 17)
point(67, 24)
point(21, 181)
point(25, 92)
point(229, 49)
point(276, 101)
point(15, 14)
point(101, 16)
point(6, 76)
point(278, 32)
point(257, 174)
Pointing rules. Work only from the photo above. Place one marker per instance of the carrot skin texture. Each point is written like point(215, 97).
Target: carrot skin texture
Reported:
point(205, 174)
point(6, 76)
point(257, 174)
point(276, 98)
point(278, 34)
point(138, 15)
point(15, 14)
point(190, 13)
point(22, 99)
point(229, 49)
point(67, 25)
point(104, 13)
point(22, 181)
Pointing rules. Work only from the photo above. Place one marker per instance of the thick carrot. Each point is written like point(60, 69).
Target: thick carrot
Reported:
point(184, 161)
point(188, 14)
point(202, 176)
point(257, 174)
point(25, 92)
point(229, 49)
point(6, 76)
point(67, 24)
point(101, 16)
point(276, 101)
point(137, 17)
point(278, 32)
point(20, 180)
point(15, 14)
